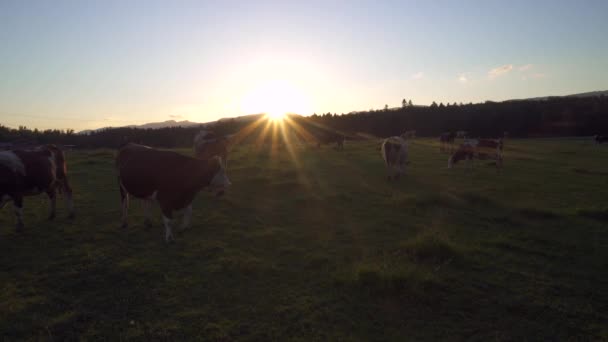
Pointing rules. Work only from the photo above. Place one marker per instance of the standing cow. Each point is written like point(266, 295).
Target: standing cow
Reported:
point(409, 135)
point(207, 144)
point(32, 172)
point(446, 141)
point(171, 179)
point(600, 139)
point(482, 149)
point(394, 151)
point(331, 138)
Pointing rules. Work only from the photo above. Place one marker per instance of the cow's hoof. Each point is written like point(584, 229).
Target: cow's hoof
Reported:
point(124, 225)
point(51, 216)
point(19, 227)
point(169, 240)
point(148, 223)
point(71, 216)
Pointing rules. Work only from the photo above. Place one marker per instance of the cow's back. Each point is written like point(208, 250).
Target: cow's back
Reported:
point(143, 170)
point(40, 171)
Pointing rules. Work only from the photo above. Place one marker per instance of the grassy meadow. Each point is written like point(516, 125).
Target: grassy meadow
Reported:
point(315, 244)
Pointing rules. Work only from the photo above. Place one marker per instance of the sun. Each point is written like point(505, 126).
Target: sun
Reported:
point(276, 99)
point(276, 116)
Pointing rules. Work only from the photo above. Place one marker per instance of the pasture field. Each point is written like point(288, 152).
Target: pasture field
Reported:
point(315, 244)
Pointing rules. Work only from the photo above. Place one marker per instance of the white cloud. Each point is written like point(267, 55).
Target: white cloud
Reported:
point(176, 116)
point(462, 78)
point(525, 67)
point(500, 71)
point(417, 76)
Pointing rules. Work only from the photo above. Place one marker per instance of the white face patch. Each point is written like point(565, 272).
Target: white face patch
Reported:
point(12, 161)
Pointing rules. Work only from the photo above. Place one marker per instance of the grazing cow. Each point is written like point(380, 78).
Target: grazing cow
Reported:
point(600, 139)
point(172, 179)
point(330, 138)
point(461, 134)
point(446, 141)
point(394, 151)
point(478, 149)
point(207, 144)
point(409, 135)
point(31, 172)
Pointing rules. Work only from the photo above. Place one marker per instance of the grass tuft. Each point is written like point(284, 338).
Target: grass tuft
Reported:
point(431, 247)
point(537, 214)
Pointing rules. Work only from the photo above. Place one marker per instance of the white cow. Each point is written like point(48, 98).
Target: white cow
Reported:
point(395, 154)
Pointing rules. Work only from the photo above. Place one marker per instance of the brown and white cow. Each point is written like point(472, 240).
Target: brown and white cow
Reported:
point(208, 144)
point(600, 139)
point(446, 141)
point(482, 149)
point(462, 134)
point(331, 138)
point(395, 153)
point(31, 172)
point(407, 135)
point(171, 179)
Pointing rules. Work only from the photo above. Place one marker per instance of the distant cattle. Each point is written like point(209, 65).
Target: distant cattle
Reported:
point(446, 141)
point(171, 179)
point(600, 139)
point(208, 144)
point(331, 138)
point(409, 135)
point(394, 151)
point(31, 172)
point(482, 149)
point(461, 134)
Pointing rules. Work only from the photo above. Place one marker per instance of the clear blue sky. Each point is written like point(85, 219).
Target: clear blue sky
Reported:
point(87, 64)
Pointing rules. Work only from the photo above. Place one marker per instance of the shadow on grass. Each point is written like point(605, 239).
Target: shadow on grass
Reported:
point(596, 214)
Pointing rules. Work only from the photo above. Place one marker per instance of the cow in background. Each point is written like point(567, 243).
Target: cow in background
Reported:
point(32, 172)
point(482, 149)
point(394, 151)
point(331, 138)
point(208, 144)
point(600, 139)
point(411, 134)
point(446, 141)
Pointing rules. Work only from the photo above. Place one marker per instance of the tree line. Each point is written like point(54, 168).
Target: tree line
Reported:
point(552, 117)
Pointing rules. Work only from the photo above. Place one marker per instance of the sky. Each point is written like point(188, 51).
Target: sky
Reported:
point(89, 64)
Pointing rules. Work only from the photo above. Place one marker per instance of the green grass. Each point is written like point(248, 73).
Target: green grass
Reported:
point(321, 247)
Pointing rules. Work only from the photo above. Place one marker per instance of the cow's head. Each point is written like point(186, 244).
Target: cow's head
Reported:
point(219, 182)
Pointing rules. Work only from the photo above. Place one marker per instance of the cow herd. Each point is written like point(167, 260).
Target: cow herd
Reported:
point(173, 180)
point(395, 153)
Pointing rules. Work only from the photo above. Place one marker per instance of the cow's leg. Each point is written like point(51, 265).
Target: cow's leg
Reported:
point(168, 230)
point(147, 204)
point(53, 205)
point(389, 172)
point(187, 219)
point(3, 200)
point(18, 206)
point(69, 200)
point(167, 218)
point(124, 201)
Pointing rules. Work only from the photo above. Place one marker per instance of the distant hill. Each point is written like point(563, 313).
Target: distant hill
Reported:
point(173, 123)
point(587, 94)
point(152, 125)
